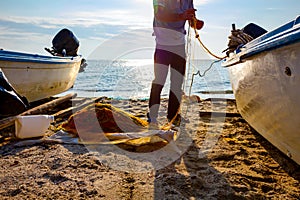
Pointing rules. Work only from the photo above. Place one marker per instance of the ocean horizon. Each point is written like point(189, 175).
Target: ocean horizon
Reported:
point(132, 78)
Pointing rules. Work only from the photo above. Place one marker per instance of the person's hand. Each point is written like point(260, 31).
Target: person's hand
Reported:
point(188, 14)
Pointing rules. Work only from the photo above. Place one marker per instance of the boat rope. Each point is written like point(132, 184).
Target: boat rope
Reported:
point(197, 35)
point(189, 53)
point(201, 75)
point(190, 57)
point(192, 25)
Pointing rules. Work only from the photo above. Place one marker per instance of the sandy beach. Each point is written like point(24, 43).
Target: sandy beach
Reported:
point(216, 156)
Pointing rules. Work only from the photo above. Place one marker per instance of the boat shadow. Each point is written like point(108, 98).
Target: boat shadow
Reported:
point(287, 164)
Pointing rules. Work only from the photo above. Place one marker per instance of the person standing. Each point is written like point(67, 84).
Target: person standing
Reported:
point(170, 17)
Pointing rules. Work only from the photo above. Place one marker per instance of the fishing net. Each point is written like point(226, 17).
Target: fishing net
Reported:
point(110, 118)
point(114, 126)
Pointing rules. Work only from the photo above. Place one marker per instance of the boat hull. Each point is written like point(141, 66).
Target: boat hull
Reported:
point(265, 78)
point(267, 93)
point(38, 77)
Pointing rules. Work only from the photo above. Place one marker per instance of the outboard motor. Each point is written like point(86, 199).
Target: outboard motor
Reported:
point(64, 44)
point(254, 30)
point(11, 103)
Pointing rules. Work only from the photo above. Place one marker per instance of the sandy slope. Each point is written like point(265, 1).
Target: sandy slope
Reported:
point(219, 158)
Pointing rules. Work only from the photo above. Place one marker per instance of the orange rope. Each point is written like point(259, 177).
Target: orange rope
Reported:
point(193, 25)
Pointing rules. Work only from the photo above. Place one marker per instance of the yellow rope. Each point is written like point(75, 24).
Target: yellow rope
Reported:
point(193, 24)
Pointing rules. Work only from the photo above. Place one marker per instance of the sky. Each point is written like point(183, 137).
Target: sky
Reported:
point(123, 28)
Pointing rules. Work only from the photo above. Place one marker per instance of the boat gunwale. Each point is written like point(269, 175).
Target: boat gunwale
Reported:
point(36, 58)
point(279, 40)
point(285, 35)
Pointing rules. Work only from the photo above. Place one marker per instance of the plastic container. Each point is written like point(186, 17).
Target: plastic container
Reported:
point(32, 125)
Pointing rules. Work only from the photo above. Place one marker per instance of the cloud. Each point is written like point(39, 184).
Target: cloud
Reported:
point(91, 28)
point(274, 9)
point(124, 44)
point(25, 41)
point(137, 16)
point(110, 17)
point(92, 24)
point(146, 2)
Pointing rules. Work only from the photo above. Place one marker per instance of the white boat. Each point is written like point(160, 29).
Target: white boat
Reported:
point(38, 76)
point(265, 77)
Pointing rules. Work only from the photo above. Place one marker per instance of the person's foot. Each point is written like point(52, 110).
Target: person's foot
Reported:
point(149, 119)
point(153, 126)
point(152, 123)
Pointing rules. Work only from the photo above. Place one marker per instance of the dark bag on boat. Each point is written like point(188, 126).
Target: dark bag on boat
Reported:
point(10, 102)
point(66, 41)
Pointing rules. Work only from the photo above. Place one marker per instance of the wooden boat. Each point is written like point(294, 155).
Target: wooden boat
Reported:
point(37, 76)
point(265, 77)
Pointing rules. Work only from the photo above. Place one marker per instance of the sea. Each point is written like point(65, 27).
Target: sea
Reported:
point(132, 78)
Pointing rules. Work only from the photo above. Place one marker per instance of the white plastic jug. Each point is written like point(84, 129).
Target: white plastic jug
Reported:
point(32, 125)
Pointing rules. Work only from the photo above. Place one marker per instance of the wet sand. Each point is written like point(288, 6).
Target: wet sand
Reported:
point(220, 157)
